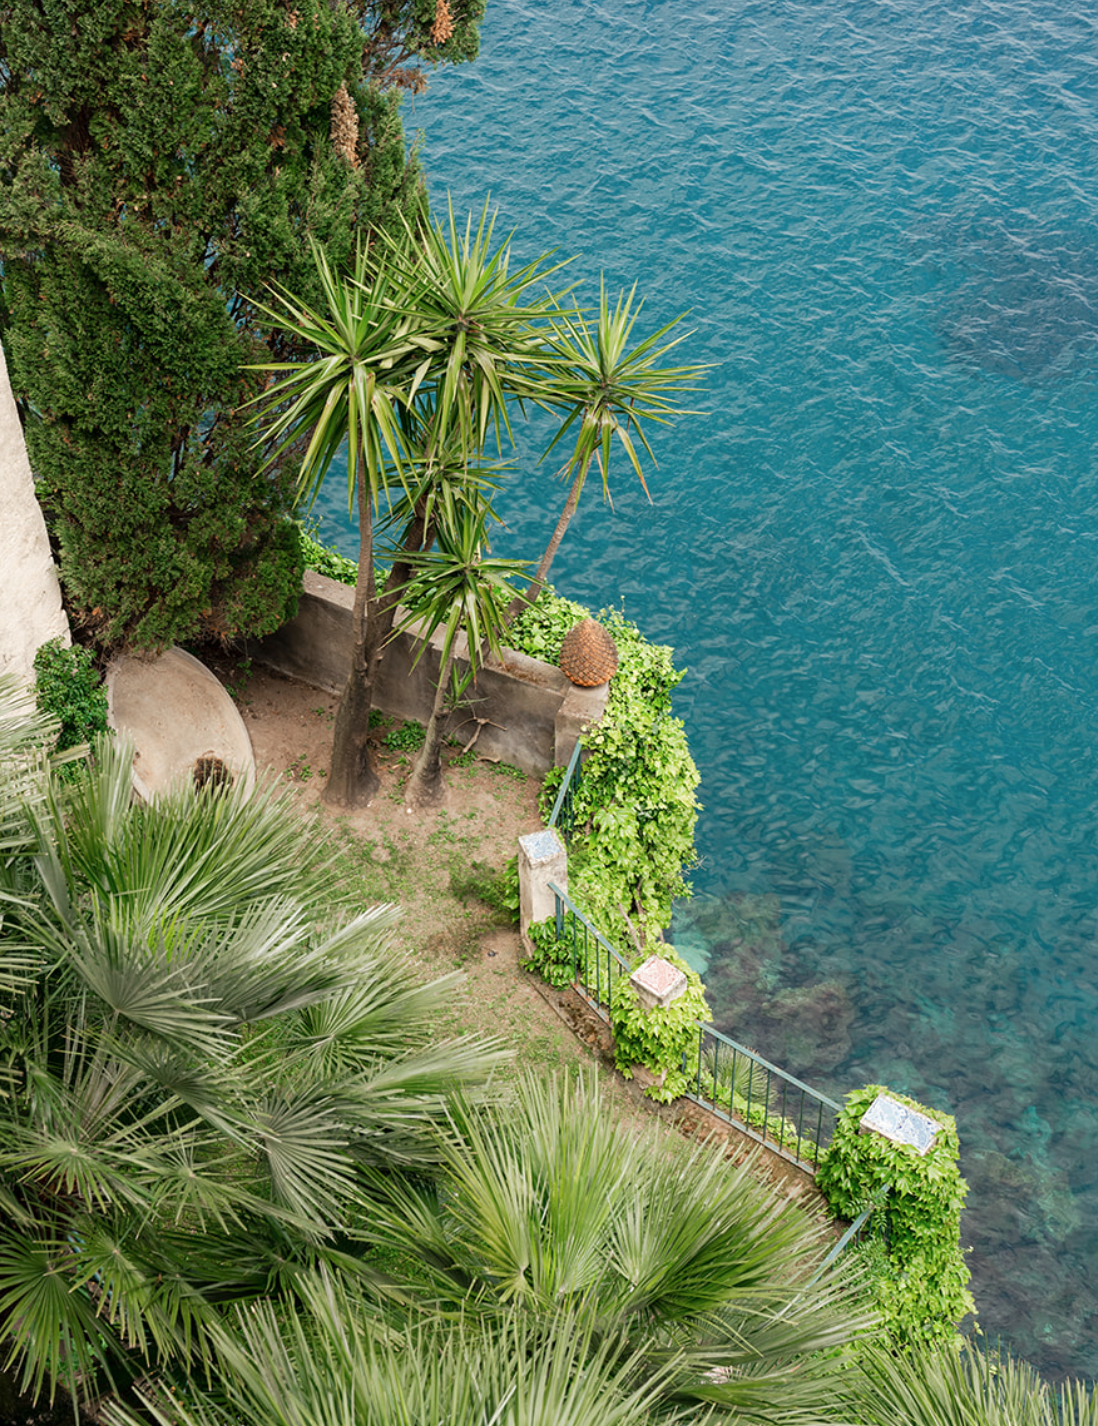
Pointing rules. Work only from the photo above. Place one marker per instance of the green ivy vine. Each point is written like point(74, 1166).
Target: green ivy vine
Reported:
point(636, 805)
point(916, 1266)
point(664, 1039)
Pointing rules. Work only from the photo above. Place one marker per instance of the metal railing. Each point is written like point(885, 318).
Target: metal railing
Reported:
point(563, 814)
point(596, 965)
point(770, 1106)
point(853, 1234)
point(766, 1103)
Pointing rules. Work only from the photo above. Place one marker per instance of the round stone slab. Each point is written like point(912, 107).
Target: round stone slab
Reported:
point(180, 720)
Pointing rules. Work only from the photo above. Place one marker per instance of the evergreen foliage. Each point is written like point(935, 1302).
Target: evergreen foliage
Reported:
point(193, 1077)
point(69, 689)
point(158, 162)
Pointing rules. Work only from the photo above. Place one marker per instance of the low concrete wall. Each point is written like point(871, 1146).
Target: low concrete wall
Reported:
point(532, 715)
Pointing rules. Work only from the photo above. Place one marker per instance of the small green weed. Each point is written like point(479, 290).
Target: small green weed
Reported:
point(408, 738)
point(240, 677)
point(299, 770)
point(509, 770)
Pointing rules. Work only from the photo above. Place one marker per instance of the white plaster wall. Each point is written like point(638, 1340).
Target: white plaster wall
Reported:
point(30, 597)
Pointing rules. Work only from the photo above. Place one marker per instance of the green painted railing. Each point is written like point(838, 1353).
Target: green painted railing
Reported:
point(764, 1102)
point(596, 965)
point(563, 814)
point(770, 1106)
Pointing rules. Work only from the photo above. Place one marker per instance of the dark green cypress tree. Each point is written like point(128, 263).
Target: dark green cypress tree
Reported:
point(159, 162)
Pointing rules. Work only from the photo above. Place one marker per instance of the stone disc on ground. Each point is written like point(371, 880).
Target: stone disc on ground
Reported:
point(183, 723)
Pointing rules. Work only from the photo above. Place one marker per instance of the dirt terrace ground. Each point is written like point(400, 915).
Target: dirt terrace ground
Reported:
point(417, 861)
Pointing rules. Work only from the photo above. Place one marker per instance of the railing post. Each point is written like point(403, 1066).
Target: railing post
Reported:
point(542, 858)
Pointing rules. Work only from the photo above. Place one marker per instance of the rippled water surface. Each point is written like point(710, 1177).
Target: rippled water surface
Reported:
point(877, 551)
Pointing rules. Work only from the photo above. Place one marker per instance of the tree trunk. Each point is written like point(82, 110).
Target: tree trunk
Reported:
point(537, 584)
point(416, 537)
point(425, 786)
point(352, 780)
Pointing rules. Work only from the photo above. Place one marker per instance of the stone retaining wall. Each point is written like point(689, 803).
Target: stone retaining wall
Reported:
point(532, 715)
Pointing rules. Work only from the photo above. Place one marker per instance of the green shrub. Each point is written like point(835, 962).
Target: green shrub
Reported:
point(325, 560)
point(660, 1039)
point(921, 1280)
point(553, 960)
point(70, 690)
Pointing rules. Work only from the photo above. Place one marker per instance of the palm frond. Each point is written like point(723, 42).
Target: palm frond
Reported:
point(334, 1364)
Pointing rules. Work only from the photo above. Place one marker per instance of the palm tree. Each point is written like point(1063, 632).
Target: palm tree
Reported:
point(609, 391)
point(195, 1079)
point(348, 395)
point(461, 589)
point(417, 351)
point(547, 1209)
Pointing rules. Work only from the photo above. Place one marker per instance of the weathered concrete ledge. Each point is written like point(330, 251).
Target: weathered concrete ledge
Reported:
point(528, 713)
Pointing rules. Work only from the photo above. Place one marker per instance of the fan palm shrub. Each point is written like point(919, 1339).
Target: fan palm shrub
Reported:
point(690, 1265)
point(962, 1385)
point(195, 1077)
point(336, 1361)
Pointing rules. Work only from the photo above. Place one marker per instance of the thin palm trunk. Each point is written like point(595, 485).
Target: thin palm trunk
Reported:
point(417, 536)
point(537, 584)
point(425, 786)
point(352, 780)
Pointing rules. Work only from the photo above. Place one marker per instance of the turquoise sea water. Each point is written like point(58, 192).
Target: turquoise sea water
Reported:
point(877, 551)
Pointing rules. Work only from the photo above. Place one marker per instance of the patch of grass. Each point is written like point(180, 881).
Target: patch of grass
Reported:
point(495, 887)
point(509, 770)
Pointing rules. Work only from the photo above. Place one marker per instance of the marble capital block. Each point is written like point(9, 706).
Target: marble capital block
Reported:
point(657, 983)
point(542, 858)
point(895, 1121)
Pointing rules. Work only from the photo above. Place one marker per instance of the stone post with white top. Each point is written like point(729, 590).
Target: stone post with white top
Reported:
point(542, 859)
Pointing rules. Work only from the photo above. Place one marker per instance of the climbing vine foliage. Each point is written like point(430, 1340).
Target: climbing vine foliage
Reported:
point(916, 1265)
point(636, 806)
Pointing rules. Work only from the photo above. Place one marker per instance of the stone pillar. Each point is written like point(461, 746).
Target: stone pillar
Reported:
point(657, 983)
point(580, 709)
point(30, 597)
point(542, 858)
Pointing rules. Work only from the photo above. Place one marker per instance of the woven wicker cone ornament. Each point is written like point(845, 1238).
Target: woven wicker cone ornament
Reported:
point(588, 655)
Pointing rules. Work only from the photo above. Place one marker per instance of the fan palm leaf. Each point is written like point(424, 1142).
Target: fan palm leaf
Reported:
point(548, 1208)
point(336, 1363)
point(966, 1386)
